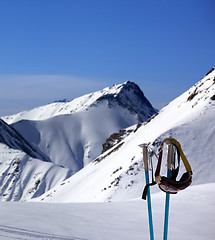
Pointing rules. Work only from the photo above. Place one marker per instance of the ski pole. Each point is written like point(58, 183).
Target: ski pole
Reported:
point(146, 168)
point(170, 161)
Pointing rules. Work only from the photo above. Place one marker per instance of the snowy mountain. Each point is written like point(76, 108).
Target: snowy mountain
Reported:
point(127, 95)
point(71, 134)
point(117, 174)
point(46, 145)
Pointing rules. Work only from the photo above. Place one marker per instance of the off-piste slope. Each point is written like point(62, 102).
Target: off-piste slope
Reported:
point(71, 134)
point(117, 174)
point(10, 137)
point(24, 177)
point(25, 171)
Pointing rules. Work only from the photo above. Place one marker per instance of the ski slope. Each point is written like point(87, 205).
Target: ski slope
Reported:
point(191, 217)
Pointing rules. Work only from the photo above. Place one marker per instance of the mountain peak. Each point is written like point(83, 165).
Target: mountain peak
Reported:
point(129, 96)
point(116, 88)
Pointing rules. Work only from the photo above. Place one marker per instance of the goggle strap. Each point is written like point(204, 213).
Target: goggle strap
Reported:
point(180, 154)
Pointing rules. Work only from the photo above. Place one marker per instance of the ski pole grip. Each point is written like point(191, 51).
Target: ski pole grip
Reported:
point(144, 146)
point(170, 154)
point(145, 157)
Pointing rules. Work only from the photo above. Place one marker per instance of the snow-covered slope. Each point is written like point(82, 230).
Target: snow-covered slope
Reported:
point(25, 171)
point(24, 177)
point(117, 220)
point(10, 137)
point(71, 134)
point(117, 174)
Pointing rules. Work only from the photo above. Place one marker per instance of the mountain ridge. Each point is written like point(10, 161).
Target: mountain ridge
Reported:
point(83, 103)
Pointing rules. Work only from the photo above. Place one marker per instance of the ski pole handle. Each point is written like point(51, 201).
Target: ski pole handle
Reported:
point(170, 154)
point(145, 157)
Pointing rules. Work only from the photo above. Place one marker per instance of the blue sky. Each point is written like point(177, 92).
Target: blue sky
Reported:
point(56, 49)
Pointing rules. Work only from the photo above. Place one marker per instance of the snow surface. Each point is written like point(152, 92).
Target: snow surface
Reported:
point(191, 217)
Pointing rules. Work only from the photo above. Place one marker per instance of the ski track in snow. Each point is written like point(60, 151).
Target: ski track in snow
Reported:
point(8, 232)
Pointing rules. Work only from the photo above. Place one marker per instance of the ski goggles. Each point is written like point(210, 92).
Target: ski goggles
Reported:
point(170, 186)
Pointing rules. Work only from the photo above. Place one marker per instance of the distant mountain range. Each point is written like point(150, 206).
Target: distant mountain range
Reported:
point(55, 141)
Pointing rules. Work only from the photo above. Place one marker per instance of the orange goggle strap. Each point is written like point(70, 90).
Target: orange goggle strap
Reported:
point(184, 159)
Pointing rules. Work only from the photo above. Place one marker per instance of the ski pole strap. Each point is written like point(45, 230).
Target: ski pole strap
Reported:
point(145, 190)
point(184, 159)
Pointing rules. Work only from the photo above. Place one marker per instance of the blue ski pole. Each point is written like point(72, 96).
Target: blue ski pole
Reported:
point(170, 161)
point(146, 168)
